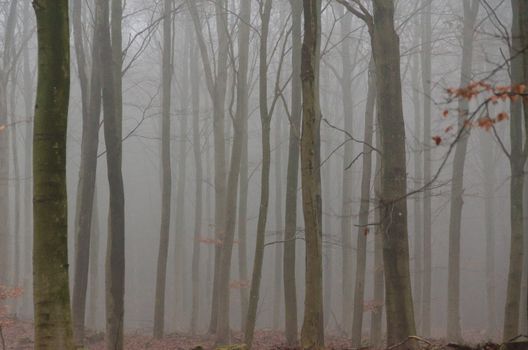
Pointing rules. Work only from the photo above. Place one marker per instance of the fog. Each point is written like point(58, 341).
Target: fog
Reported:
point(194, 74)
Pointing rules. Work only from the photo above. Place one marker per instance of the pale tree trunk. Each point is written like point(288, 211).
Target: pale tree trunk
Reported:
point(312, 335)
point(28, 142)
point(418, 180)
point(327, 224)
point(53, 328)
point(377, 312)
point(488, 184)
point(91, 99)
point(198, 225)
point(347, 181)
point(111, 61)
point(265, 120)
point(242, 109)
point(292, 179)
point(517, 162)
point(457, 190)
point(216, 85)
point(93, 284)
point(239, 126)
point(427, 270)
point(181, 165)
point(166, 174)
point(5, 69)
point(363, 228)
point(277, 274)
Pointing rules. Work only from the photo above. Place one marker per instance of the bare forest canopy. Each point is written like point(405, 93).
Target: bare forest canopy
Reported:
point(263, 174)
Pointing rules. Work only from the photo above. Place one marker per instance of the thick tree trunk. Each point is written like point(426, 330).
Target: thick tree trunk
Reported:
point(277, 274)
point(91, 99)
point(457, 190)
point(312, 335)
point(166, 174)
point(517, 162)
point(363, 228)
point(53, 329)
point(265, 119)
point(292, 179)
point(111, 58)
point(386, 51)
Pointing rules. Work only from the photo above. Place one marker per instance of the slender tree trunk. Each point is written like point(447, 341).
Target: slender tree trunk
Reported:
point(111, 58)
point(457, 190)
point(242, 110)
point(91, 98)
point(166, 174)
point(93, 284)
point(53, 328)
point(347, 181)
point(290, 216)
point(195, 95)
point(265, 120)
point(427, 271)
point(312, 336)
point(277, 274)
point(363, 229)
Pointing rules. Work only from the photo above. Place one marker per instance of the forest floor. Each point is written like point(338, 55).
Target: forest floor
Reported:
point(18, 335)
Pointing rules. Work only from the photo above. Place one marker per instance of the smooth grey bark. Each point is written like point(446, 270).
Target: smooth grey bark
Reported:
point(53, 328)
point(347, 288)
point(427, 271)
point(364, 209)
point(111, 61)
point(198, 225)
point(312, 333)
point(166, 171)
point(457, 190)
point(93, 283)
point(292, 180)
point(265, 121)
point(277, 274)
point(91, 111)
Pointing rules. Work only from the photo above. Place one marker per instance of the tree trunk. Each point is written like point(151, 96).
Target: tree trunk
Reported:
point(457, 190)
point(363, 228)
point(312, 335)
point(91, 99)
point(347, 181)
point(53, 328)
point(166, 175)
point(427, 271)
point(386, 51)
point(277, 274)
point(265, 119)
point(290, 216)
point(111, 58)
point(93, 284)
point(517, 162)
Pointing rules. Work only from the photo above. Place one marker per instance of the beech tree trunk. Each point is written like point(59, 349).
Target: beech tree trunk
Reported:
point(53, 328)
point(457, 190)
point(292, 180)
point(166, 174)
point(363, 228)
point(312, 333)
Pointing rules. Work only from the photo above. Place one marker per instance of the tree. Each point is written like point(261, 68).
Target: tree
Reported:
point(455, 218)
point(91, 111)
point(111, 59)
point(53, 329)
point(312, 335)
point(292, 179)
point(166, 175)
